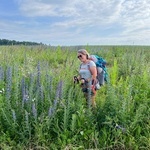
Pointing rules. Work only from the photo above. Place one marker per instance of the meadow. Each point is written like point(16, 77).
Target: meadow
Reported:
point(42, 109)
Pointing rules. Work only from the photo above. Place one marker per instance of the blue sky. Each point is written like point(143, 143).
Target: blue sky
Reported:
point(76, 22)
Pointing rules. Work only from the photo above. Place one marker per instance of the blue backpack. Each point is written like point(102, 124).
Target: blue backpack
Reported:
point(102, 63)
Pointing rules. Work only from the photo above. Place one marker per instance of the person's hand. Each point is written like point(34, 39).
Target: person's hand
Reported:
point(82, 81)
point(75, 79)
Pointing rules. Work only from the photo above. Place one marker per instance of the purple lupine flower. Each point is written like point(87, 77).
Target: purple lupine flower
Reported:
point(50, 85)
point(51, 111)
point(14, 115)
point(1, 74)
point(32, 89)
point(38, 74)
point(16, 84)
point(59, 90)
point(26, 93)
point(57, 97)
point(34, 110)
point(26, 97)
point(8, 82)
point(55, 103)
point(47, 85)
point(31, 79)
point(47, 79)
point(41, 93)
point(23, 91)
point(39, 86)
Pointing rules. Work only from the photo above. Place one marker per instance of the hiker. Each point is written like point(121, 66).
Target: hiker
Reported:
point(87, 76)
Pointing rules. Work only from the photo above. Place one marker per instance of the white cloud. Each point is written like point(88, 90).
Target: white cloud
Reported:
point(82, 21)
point(135, 15)
point(136, 8)
point(76, 9)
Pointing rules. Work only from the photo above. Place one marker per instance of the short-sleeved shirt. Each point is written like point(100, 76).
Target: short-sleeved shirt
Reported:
point(84, 70)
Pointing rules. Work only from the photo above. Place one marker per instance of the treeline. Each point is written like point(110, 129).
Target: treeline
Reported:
point(13, 42)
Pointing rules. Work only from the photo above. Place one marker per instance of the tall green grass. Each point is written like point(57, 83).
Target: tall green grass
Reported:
point(41, 108)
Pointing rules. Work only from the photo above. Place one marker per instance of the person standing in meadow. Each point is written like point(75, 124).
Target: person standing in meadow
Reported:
point(87, 76)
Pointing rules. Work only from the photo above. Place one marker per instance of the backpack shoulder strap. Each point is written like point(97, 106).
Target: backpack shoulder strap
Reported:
point(89, 67)
point(80, 65)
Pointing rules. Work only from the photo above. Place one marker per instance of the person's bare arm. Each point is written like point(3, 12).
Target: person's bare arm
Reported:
point(93, 72)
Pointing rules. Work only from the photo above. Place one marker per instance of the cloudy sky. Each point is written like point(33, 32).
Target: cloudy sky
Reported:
point(76, 22)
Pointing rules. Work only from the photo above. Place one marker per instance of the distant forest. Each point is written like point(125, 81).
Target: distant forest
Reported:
point(13, 42)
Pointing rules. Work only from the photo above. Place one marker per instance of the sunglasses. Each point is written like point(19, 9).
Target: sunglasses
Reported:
point(79, 56)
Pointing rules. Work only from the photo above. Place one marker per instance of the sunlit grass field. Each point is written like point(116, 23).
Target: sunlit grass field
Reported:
point(42, 109)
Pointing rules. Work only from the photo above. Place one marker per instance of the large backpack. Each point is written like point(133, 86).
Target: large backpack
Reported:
point(101, 62)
